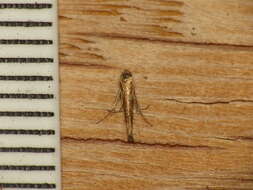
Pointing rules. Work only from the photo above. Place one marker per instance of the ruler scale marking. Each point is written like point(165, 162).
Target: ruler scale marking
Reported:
point(26, 60)
point(25, 114)
point(26, 42)
point(25, 24)
point(28, 185)
point(27, 168)
point(25, 5)
point(26, 132)
point(27, 149)
point(27, 78)
point(26, 96)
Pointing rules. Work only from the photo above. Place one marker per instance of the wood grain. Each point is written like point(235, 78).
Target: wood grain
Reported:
point(193, 21)
point(192, 64)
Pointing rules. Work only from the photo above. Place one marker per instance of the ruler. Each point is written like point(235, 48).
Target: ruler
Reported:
point(29, 113)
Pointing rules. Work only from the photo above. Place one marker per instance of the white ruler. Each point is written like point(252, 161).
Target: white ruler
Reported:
point(29, 114)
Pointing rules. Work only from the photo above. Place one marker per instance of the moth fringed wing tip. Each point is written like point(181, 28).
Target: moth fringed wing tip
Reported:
point(130, 139)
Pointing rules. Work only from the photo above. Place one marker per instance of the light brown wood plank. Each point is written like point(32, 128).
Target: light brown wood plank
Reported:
point(192, 64)
point(193, 21)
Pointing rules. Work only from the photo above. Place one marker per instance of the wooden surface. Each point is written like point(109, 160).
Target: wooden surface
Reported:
point(192, 63)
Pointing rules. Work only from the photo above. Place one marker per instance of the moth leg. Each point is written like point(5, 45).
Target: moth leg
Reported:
point(139, 110)
point(146, 108)
point(110, 112)
point(113, 110)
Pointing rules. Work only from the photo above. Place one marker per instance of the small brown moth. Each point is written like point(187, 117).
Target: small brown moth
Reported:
point(126, 96)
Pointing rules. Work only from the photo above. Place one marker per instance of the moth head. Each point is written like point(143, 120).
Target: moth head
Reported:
point(126, 75)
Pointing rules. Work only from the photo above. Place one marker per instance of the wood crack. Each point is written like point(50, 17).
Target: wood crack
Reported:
point(139, 144)
point(159, 40)
point(87, 64)
point(209, 103)
point(233, 138)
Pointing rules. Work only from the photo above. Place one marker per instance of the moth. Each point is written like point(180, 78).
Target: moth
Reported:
point(128, 104)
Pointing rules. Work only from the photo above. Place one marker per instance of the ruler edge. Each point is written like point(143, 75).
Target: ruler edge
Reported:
point(58, 97)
